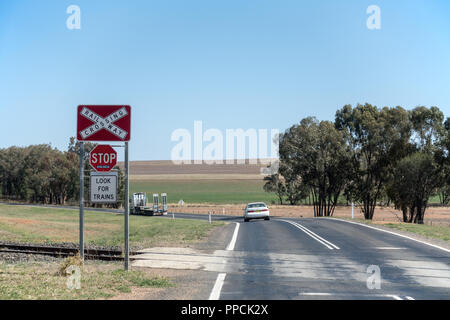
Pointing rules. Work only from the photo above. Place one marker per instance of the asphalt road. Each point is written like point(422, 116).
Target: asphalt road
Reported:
point(326, 259)
point(315, 258)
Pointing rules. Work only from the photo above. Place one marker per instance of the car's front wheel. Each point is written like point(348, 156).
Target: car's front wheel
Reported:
point(266, 218)
point(246, 220)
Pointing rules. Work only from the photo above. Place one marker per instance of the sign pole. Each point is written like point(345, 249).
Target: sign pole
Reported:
point(127, 211)
point(82, 200)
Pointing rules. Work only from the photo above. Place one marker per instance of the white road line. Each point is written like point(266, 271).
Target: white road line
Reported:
point(321, 294)
point(394, 233)
point(215, 293)
point(313, 235)
point(326, 241)
point(393, 296)
point(309, 234)
point(232, 243)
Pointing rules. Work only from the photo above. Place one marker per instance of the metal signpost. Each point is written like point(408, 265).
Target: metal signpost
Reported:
point(104, 123)
point(127, 210)
point(81, 200)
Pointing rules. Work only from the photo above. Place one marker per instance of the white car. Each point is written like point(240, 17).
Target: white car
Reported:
point(256, 210)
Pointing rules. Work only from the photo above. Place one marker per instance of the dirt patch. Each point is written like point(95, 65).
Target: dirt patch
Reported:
point(138, 293)
point(19, 220)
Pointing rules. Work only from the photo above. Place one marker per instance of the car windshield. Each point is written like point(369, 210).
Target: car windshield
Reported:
point(256, 205)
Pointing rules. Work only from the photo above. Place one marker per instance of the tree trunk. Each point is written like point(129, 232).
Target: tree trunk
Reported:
point(405, 214)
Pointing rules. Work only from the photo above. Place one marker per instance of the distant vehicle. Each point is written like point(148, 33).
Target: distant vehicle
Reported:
point(256, 210)
point(139, 206)
point(164, 205)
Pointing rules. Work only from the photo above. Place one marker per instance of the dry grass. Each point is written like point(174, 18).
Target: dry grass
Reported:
point(101, 228)
point(70, 261)
point(99, 280)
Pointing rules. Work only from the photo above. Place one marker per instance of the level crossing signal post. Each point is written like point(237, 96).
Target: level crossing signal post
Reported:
point(99, 123)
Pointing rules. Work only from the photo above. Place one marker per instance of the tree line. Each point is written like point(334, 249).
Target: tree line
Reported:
point(42, 174)
point(369, 156)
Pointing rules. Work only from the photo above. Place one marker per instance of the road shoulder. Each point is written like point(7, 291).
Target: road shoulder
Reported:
point(418, 237)
point(187, 284)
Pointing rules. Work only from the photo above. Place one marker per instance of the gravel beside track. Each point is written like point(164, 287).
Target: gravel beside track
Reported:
point(23, 252)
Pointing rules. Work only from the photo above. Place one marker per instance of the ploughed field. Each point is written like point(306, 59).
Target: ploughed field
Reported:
point(167, 167)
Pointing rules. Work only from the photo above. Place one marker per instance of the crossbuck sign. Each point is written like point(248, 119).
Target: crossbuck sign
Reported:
point(103, 123)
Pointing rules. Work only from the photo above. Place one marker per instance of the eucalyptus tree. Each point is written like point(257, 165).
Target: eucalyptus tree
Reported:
point(377, 139)
point(428, 128)
point(419, 175)
point(38, 172)
point(13, 172)
point(444, 190)
point(275, 183)
point(413, 183)
point(317, 153)
point(296, 189)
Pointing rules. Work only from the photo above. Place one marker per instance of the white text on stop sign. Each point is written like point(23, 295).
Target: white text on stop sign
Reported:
point(103, 157)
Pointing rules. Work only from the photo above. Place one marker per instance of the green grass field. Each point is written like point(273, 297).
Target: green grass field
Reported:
point(220, 191)
point(37, 224)
point(206, 191)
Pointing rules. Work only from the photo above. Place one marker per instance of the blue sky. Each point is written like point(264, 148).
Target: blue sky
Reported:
point(232, 64)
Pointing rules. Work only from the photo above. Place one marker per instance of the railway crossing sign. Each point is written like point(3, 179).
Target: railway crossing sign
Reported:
point(104, 187)
point(103, 123)
point(103, 158)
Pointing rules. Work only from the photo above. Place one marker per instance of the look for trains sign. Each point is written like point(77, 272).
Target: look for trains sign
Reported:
point(103, 123)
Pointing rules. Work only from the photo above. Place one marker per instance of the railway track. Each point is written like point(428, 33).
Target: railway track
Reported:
point(62, 252)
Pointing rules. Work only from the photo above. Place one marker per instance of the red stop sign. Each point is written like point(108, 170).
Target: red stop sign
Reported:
point(103, 158)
